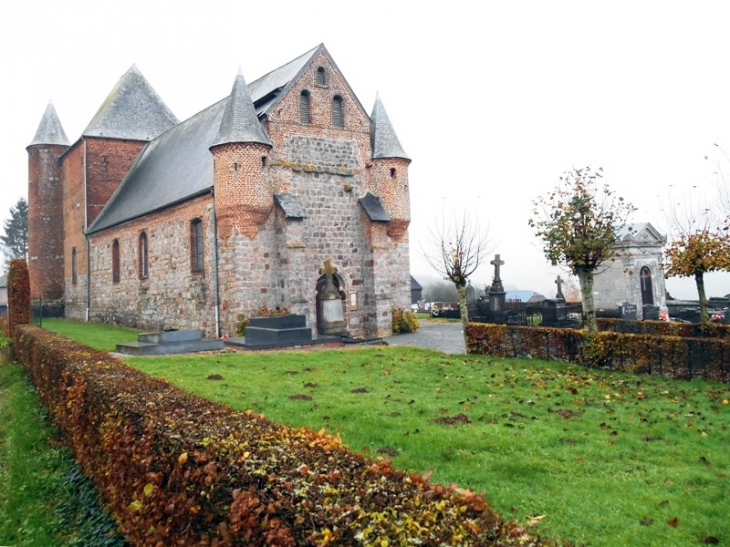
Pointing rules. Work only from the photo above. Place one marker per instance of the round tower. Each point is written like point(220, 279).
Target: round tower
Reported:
point(389, 172)
point(45, 207)
point(244, 199)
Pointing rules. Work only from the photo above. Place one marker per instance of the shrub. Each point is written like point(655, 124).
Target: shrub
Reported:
point(243, 322)
point(176, 469)
point(674, 356)
point(404, 321)
point(18, 294)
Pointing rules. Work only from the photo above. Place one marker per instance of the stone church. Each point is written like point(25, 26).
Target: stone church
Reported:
point(154, 223)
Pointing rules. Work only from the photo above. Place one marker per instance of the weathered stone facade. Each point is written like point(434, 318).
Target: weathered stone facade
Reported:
point(636, 275)
point(259, 250)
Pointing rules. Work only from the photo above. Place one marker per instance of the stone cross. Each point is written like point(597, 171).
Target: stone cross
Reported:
point(559, 283)
point(496, 263)
point(328, 269)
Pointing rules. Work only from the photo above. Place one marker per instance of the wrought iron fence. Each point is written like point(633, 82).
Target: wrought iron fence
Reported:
point(40, 309)
point(548, 313)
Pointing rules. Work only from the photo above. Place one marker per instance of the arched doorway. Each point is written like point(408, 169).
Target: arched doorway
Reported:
point(647, 292)
point(330, 305)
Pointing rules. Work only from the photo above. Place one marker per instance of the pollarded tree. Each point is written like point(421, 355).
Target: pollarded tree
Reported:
point(697, 250)
point(577, 223)
point(456, 251)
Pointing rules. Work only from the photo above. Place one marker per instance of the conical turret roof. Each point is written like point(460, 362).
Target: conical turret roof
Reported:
point(133, 110)
point(50, 130)
point(384, 141)
point(240, 122)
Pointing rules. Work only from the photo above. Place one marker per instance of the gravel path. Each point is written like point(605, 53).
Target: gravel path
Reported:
point(446, 337)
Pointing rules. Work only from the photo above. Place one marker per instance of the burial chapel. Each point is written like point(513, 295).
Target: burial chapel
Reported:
point(261, 200)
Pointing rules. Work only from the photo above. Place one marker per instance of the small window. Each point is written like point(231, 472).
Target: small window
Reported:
point(115, 261)
point(321, 76)
point(304, 100)
point(74, 267)
point(392, 172)
point(263, 161)
point(338, 118)
point(196, 245)
point(143, 256)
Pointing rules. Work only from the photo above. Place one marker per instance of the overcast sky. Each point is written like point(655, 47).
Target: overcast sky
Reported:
point(493, 101)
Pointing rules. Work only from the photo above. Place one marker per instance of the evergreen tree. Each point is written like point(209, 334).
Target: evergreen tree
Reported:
point(16, 231)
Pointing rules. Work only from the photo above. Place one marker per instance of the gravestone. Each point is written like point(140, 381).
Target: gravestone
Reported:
point(559, 283)
point(627, 310)
point(651, 313)
point(169, 343)
point(278, 331)
point(496, 290)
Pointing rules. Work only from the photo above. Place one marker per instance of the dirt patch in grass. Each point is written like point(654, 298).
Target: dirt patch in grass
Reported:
point(300, 397)
point(360, 390)
point(460, 418)
point(214, 377)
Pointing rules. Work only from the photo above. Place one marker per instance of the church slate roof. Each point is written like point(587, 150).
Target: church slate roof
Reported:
point(133, 110)
point(240, 123)
point(174, 167)
point(290, 205)
point(50, 130)
point(178, 164)
point(373, 208)
point(385, 142)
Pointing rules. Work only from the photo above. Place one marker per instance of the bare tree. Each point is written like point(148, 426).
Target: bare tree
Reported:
point(455, 250)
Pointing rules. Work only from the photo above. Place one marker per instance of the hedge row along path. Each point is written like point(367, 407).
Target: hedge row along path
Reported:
point(176, 469)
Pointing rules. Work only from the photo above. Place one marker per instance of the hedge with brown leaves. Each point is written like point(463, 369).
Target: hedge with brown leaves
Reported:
point(176, 469)
point(18, 294)
point(673, 356)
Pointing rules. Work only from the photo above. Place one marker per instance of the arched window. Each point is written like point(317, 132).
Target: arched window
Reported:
point(196, 245)
point(647, 292)
point(115, 261)
point(74, 267)
point(321, 76)
point(143, 256)
point(338, 116)
point(304, 101)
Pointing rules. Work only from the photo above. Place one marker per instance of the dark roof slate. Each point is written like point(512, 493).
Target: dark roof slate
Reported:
point(133, 110)
point(50, 130)
point(385, 142)
point(415, 285)
point(175, 166)
point(240, 123)
point(373, 208)
point(290, 205)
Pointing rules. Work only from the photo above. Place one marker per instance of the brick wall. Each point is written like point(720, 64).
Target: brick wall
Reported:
point(74, 208)
point(45, 221)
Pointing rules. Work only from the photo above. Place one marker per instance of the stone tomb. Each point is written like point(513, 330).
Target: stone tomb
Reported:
point(169, 343)
point(279, 331)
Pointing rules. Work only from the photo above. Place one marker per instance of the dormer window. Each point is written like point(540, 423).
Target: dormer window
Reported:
point(321, 76)
point(304, 100)
point(338, 116)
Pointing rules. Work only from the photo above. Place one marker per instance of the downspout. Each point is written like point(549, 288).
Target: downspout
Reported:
point(88, 245)
point(215, 268)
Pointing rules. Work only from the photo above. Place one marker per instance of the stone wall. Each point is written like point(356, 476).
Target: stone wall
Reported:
point(171, 296)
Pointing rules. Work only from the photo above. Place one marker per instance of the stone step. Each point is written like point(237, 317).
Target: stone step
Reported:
point(170, 348)
point(169, 336)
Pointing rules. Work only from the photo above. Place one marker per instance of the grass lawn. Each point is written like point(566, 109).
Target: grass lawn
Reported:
point(44, 498)
point(104, 337)
point(606, 458)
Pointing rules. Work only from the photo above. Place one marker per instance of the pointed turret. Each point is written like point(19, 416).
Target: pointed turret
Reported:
point(132, 111)
point(244, 198)
point(240, 123)
point(385, 142)
point(50, 130)
point(45, 207)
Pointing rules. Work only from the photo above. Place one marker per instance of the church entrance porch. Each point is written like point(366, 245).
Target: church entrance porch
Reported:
point(330, 307)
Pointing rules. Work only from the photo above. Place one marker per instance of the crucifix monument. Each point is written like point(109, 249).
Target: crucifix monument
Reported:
point(331, 321)
point(559, 283)
point(496, 291)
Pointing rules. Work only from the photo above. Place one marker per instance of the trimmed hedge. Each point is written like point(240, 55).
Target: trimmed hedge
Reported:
point(672, 356)
point(18, 294)
point(176, 469)
point(664, 328)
